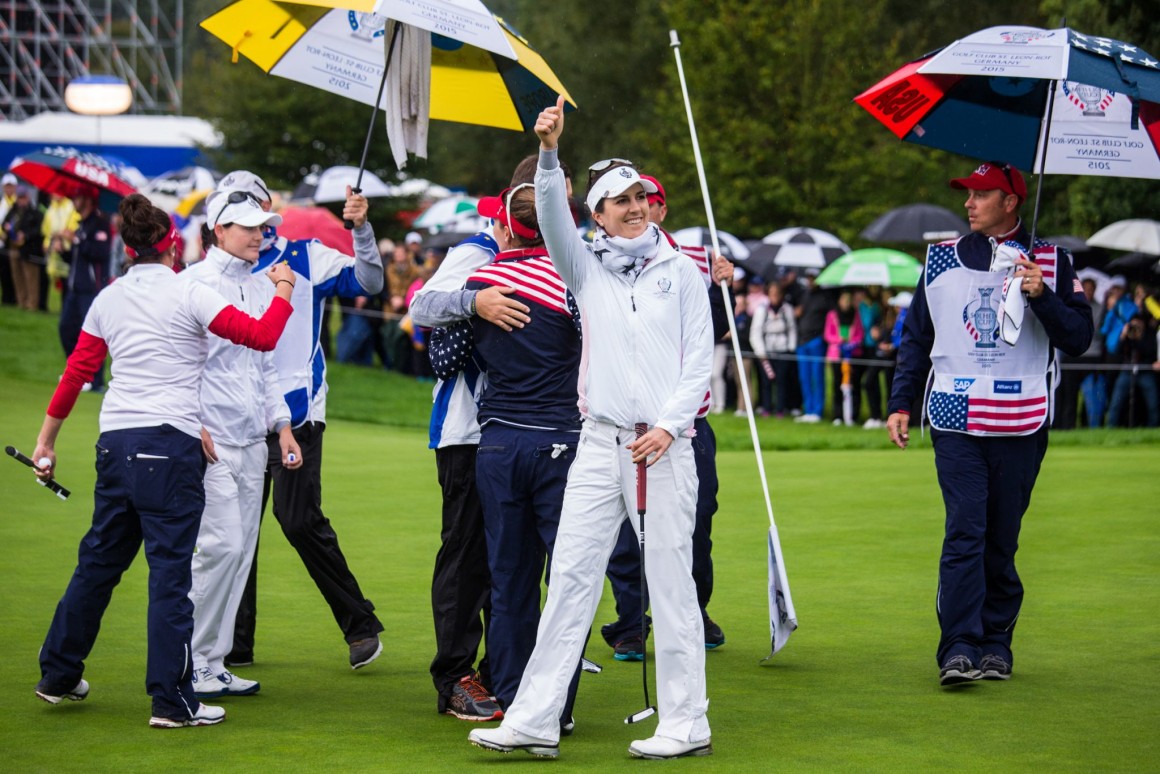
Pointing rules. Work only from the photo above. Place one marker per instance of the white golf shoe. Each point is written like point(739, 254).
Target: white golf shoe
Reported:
point(505, 740)
point(205, 716)
point(662, 747)
point(56, 697)
point(207, 685)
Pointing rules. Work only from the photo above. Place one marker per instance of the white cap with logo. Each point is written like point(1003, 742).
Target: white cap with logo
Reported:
point(238, 207)
point(242, 180)
point(615, 182)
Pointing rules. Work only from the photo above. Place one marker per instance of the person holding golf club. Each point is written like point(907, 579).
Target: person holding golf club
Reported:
point(648, 345)
point(988, 314)
point(150, 463)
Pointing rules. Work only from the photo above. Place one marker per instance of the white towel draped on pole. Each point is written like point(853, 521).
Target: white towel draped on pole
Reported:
point(407, 98)
point(1012, 304)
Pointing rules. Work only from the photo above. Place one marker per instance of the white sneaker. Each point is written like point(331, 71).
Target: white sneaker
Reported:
point(207, 685)
point(662, 747)
point(873, 424)
point(205, 716)
point(808, 419)
point(76, 694)
point(837, 423)
point(504, 739)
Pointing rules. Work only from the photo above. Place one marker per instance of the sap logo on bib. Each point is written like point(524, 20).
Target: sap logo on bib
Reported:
point(1011, 387)
point(962, 385)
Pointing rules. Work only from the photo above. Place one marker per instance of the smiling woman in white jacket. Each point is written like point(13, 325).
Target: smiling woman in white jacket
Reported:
point(241, 402)
point(647, 358)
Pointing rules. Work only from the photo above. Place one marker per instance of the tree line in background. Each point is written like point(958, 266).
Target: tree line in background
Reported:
point(772, 88)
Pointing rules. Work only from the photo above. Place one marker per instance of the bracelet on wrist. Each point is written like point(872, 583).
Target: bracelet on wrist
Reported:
point(288, 282)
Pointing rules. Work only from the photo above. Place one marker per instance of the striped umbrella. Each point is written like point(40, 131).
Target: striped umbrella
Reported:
point(800, 247)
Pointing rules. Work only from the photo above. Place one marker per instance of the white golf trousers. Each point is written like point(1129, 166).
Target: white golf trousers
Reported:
point(601, 492)
point(225, 549)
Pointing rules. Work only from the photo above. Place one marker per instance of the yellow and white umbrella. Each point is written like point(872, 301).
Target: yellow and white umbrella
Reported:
point(341, 50)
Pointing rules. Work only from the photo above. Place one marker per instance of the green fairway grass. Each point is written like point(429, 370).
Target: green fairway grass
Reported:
point(855, 689)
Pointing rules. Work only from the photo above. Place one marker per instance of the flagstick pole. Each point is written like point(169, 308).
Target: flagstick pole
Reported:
point(790, 615)
point(1046, 138)
point(676, 45)
point(362, 165)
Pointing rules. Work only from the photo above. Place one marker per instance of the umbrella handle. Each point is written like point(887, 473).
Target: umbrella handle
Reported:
point(349, 224)
point(362, 165)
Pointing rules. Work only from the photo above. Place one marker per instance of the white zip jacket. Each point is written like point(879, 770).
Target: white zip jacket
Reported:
point(648, 342)
point(241, 398)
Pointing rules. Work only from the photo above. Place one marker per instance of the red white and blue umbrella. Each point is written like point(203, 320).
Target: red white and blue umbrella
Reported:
point(995, 95)
point(69, 172)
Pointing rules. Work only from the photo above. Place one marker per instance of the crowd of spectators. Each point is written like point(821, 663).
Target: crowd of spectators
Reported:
point(789, 328)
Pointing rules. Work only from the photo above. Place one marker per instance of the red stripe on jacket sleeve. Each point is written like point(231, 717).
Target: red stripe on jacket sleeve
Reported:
point(237, 326)
point(86, 358)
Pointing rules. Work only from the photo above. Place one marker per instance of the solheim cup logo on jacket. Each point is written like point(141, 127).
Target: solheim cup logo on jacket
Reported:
point(664, 288)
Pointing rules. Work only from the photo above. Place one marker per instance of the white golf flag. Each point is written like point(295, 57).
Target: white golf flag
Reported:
point(782, 617)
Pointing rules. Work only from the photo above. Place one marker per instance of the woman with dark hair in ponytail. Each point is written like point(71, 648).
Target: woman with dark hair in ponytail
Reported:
point(529, 427)
point(150, 463)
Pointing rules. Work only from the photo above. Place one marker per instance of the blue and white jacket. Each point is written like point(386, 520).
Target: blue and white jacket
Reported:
point(322, 272)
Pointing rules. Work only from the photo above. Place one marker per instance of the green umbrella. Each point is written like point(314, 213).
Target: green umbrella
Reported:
point(872, 266)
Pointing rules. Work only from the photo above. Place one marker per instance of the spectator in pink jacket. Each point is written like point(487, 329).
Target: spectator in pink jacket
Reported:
point(843, 335)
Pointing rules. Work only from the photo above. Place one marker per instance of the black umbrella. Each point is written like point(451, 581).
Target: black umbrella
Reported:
point(1135, 265)
point(917, 224)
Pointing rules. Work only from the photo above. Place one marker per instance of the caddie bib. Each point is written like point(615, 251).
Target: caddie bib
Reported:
point(981, 385)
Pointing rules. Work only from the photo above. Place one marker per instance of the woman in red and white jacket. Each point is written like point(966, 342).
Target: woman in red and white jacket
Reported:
point(150, 463)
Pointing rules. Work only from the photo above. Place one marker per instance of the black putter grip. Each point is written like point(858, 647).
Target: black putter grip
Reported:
point(349, 224)
point(19, 457)
point(49, 484)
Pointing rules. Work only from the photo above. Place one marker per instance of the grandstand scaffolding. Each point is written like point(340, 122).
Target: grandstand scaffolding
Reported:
point(44, 44)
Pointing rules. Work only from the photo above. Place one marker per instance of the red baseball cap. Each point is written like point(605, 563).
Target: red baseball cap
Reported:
point(496, 207)
point(659, 196)
point(994, 176)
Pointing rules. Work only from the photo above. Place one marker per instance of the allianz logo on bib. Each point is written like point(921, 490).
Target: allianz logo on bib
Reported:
point(962, 385)
point(1009, 387)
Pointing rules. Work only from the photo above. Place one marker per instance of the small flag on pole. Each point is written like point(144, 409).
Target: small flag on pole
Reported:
point(782, 616)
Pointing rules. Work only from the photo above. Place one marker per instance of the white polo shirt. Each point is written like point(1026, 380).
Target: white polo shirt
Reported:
point(155, 327)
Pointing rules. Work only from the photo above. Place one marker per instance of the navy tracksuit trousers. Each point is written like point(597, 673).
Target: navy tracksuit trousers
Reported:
point(986, 485)
point(520, 475)
point(149, 490)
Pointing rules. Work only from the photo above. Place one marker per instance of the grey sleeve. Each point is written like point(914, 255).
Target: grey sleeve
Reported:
point(368, 265)
point(441, 308)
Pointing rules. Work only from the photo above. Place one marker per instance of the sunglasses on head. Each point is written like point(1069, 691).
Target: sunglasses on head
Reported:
point(1006, 170)
point(600, 166)
point(237, 197)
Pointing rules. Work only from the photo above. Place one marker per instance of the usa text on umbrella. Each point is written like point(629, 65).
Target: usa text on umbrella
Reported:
point(68, 171)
